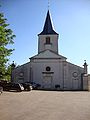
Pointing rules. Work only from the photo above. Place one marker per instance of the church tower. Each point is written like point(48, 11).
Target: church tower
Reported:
point(48, 38)
point(48, 69)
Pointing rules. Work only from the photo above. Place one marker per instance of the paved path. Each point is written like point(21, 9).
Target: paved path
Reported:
point(45, 105)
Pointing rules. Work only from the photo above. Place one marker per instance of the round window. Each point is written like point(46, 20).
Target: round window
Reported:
point(75, 74)
point(48, 68)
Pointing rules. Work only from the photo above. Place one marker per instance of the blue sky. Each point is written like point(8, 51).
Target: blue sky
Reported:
point(71, 19)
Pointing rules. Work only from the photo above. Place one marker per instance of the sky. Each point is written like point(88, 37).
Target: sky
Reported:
point(71, 20)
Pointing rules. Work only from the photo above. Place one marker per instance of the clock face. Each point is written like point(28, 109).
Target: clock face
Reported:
point(75, 74)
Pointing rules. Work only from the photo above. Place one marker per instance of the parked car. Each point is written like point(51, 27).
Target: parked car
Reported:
point(27, 86)
point(13, 86)
point(3, 84)
point(35, 85)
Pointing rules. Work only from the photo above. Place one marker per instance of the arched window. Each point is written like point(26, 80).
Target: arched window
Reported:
point(47, 40)
point(48, 68)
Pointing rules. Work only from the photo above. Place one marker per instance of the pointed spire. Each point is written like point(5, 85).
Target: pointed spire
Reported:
point(48, 29)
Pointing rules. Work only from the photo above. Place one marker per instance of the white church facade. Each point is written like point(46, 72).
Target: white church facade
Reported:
point(48, 68)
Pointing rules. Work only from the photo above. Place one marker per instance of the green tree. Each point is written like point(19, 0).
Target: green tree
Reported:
point(8, 71)
point(6, 38)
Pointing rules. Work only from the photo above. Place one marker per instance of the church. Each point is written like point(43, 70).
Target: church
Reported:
point(50, 69)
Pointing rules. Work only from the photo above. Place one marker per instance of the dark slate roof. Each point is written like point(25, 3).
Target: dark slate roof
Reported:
point(48, 29)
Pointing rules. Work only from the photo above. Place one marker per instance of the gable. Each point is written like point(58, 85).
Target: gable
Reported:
point(47, 54)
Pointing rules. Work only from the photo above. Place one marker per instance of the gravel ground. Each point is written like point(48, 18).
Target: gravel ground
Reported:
point(45, 105)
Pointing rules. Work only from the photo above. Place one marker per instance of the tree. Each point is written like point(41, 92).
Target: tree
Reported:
point(6, 38)
point(8, 71)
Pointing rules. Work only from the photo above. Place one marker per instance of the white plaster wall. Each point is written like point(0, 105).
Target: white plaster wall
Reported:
point(85, 82)
point(63, 73)
point(42, 40)
point(39, 66)
point(66, 83)
point(89, 82)
point(25, 69)
point(74, 83)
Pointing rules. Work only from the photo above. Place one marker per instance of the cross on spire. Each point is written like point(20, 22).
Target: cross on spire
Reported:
point(48, 4)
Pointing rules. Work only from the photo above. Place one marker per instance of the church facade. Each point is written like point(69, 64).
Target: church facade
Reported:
point(48, 68)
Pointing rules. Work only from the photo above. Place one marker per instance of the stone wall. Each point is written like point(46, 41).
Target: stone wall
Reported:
point(85, 82)
point(89, 82)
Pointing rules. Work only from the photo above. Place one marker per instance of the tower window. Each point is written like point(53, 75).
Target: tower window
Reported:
point(47, 40)
point(48, 68)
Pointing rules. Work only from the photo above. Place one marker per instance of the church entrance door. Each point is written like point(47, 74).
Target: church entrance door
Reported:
point(47, 82)
point(75, 84)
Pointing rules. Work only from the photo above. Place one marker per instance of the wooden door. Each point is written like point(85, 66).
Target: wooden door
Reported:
point(47, 82)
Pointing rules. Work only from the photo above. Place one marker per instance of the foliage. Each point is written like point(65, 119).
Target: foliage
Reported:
point(6, 38)
point(7, 75)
